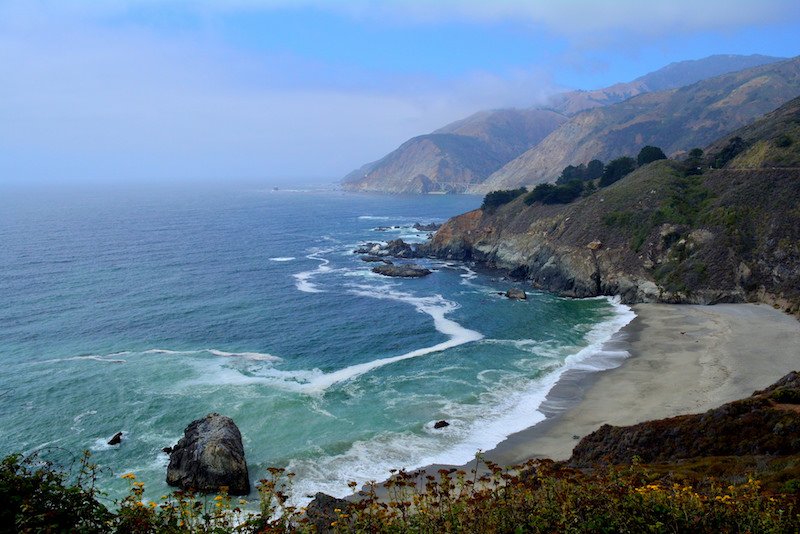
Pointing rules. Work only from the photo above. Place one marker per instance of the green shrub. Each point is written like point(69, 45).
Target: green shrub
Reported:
point(495, 199)
point(786, 396)
point(555, 194)
point(783, 141)
point(37, 497)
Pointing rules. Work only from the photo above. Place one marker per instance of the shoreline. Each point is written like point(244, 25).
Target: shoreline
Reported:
point(682, 359)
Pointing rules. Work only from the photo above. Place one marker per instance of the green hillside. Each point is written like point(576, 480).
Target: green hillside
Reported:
point(664, 232)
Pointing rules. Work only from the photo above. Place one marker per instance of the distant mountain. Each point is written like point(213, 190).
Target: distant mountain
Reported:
point(675, 120)
point(668, 232)
point(430, 163)
point(672, 76)
point(457, 156)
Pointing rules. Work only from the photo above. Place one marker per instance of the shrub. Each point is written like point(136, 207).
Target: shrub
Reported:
point(555, 194)
point(649, 154)
point(495, 199)
point(36, 497)
point(783, 141)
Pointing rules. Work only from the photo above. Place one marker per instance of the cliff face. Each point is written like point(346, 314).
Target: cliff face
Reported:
point(739, 242)
point(663, 233)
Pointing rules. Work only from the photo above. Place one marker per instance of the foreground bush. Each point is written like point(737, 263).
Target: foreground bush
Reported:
point(541, 496)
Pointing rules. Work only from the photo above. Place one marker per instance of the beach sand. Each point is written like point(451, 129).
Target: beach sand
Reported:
point(683, 359)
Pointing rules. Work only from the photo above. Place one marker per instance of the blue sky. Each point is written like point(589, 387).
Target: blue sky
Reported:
point(144, 90)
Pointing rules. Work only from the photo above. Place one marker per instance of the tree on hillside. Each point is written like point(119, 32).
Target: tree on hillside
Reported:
point(649, 154)
point(616, 169)
point(584, 173)
point(694, 163)
point(594, 170)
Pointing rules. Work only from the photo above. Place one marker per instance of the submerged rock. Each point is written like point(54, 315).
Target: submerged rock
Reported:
point(210, 455)
point(408, 270)
point(441, 424)
point(116, 439)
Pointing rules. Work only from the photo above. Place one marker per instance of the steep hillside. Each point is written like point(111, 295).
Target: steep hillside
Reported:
point(767, 423)
point(458, 155)
point(428, 164)
point(676, 120)
point(672, 76)
point(663, 233)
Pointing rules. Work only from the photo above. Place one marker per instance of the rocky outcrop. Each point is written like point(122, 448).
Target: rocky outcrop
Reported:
point(407, 270)
point(324, 510)
point(768, 423)
point(209, 456)
point(396, 248)
point(516, 293)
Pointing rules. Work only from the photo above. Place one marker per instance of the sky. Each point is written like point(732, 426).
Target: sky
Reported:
point(309, 90)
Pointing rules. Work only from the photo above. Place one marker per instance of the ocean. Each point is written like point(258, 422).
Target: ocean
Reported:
point(140, 309)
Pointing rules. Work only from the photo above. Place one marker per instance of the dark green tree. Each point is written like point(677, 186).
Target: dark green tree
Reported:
point(503, 196)
point(649, 154)
point(594, 170)
point(616, 169)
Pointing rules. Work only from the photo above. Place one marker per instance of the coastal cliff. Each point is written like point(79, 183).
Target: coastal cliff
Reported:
point(664, 233)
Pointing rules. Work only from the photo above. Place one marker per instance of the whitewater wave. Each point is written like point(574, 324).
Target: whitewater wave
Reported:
point(303, 279)
point(506, 408)
point(282, 259)
point(435, 306)
point(109, 358)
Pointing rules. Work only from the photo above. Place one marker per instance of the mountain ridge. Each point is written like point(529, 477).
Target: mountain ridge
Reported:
point(508, 133)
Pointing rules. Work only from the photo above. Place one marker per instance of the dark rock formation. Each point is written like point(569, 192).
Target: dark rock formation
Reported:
point(407, 270)
point(516, 293)
point(116, 439)
point(768, 423)
point(396, 248)
point(210, 455)
point(432, 227)
point(375, 259)
point(321, 511)
point(441, 424)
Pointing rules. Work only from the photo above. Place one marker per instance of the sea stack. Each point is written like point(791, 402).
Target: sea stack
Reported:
point(210, 455)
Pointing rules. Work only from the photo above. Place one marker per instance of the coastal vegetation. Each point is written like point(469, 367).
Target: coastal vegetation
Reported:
point(540, 496)
point(732, 469)
point(672, 230)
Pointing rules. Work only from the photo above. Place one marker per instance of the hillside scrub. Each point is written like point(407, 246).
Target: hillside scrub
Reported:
point(539, 496)
point(496, 199)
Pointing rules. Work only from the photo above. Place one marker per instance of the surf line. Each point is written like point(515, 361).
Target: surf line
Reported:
point(436, 307)
point(303, 284)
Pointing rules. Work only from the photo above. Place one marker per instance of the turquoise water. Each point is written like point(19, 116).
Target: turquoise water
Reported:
point(141, 310)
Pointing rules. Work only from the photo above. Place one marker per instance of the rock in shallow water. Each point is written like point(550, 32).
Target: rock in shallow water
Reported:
point(408, 270)
point(210, 455)
point(515, 293)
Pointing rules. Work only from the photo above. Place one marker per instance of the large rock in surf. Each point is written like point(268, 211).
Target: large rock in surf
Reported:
point(210, 455)
point(408, 270)
point(516, 293)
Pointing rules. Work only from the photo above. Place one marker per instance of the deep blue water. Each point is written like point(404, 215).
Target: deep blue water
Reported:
point(139, 310)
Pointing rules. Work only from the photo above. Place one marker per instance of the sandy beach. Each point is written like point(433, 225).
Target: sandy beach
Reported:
point(683, 359)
